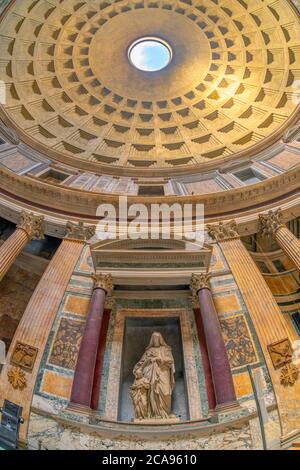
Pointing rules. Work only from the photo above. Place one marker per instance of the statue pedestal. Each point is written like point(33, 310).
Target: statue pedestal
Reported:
point(156, 421)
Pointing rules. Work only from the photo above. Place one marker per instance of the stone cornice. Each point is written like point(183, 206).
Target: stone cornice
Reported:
point(69, 201)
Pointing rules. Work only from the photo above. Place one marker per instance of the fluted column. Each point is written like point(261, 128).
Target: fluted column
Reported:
point(271, 225)
point(269, 323)
point(219, 364)
point(82, 389)
point(37, 320)
point(31, 227)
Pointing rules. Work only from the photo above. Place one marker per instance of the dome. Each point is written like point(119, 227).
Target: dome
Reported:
point(74, 95)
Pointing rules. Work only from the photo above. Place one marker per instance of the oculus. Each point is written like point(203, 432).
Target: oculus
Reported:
point(150, 54)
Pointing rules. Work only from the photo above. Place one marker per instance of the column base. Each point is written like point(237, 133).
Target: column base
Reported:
point(227, 407)
point(287, 439)
point(76, 408)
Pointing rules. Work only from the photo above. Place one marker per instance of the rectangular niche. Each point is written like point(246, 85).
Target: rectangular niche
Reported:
point(137, 334)
point(132, 333)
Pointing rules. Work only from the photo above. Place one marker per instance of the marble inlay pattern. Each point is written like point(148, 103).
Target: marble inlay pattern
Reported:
point(238, 341)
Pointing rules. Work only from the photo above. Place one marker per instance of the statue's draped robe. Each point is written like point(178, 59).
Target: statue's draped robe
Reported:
point(157, 365)
point(139, 395)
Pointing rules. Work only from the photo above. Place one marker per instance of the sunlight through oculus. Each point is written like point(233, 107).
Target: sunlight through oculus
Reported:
point(150, 54)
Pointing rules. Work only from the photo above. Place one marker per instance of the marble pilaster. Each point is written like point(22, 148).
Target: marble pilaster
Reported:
point(266, 316)
point(36, 323)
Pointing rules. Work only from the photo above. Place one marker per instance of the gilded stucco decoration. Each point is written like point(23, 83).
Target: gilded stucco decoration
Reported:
point(17, 378)
point(281, 352)
point(289, 375)
point(24, 356)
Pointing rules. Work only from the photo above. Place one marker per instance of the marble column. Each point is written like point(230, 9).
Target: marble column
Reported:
point(210, 391)
point(271, 225)
point(269, 322)
point(100, 354)
point(85, 368)
point(37, 320)
point(219, 363)
point(31, 227)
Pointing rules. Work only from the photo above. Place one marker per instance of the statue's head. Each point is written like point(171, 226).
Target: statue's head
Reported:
point(157, 340)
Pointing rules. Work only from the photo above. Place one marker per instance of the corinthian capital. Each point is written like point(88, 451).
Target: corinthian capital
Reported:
point(34, 225)
point(270, 223)
point(79, 231)
point(223, 231)
point(103, 281)
point(200, 281)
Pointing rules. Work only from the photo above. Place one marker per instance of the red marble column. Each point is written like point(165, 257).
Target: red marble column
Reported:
point(82, 389)
point(221, 373)
point(205, 360)
point(99, 361)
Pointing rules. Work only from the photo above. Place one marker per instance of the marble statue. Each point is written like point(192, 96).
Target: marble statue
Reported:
point(152, 389)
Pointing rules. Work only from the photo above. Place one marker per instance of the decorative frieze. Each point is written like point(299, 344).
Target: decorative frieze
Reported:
point(33, 225)
point(270, 223)
point(79, 231)
point(223, 231)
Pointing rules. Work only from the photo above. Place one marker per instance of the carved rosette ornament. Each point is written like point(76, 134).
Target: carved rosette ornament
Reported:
point(198, 282)
point(104, 282)
point(17, 378)
point(33, 225)
point(289, 375)
point(223, 231)
point(79, 232)
point(270, 223)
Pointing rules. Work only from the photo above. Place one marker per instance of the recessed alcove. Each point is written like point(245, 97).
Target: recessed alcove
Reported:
point(137, 334)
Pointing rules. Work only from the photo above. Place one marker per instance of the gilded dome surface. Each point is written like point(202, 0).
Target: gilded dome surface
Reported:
point(73, 93)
